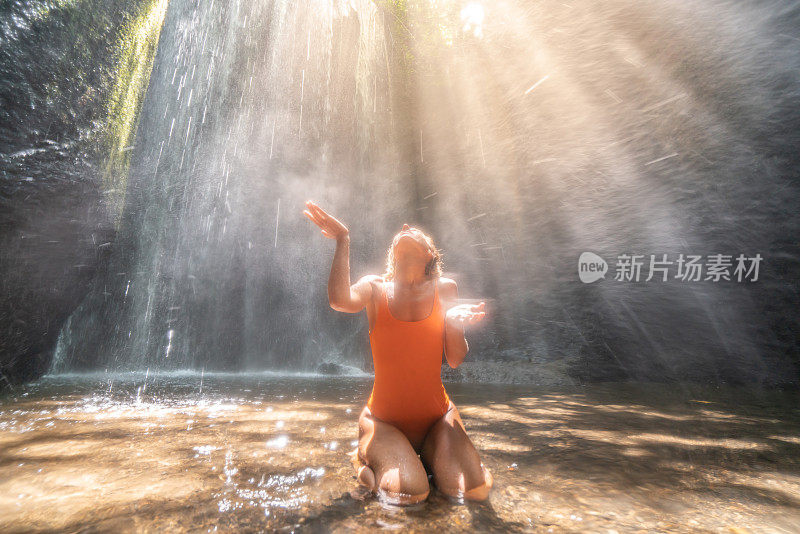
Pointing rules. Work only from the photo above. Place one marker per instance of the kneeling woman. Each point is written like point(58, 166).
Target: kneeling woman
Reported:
point(409, 426)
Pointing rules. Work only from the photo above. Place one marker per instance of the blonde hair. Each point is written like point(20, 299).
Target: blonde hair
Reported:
point(433, 269)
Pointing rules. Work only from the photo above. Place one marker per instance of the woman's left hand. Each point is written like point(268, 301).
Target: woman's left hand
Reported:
point(464, 314)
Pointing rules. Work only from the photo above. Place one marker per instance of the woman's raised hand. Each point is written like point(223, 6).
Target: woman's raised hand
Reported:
point(464, 314)
point(331, 227)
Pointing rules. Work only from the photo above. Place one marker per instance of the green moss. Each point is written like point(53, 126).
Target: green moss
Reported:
point(423, 29)
point(136, 50)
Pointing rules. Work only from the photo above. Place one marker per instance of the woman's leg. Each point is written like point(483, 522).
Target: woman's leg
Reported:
point(396, 470)
point(454, 461)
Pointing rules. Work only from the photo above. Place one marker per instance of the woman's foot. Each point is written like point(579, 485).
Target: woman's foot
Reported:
point(365, 476)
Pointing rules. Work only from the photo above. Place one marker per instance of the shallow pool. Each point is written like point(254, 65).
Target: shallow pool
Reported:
point(202, 452)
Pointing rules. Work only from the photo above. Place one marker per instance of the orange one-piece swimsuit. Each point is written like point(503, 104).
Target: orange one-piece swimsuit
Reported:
point(407, 355)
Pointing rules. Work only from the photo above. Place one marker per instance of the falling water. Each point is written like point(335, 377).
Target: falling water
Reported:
point(249, 103)
point(519, 134)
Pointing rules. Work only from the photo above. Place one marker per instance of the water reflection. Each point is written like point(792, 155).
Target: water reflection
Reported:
point(261, 452)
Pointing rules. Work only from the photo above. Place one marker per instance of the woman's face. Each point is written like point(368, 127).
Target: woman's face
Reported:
point(410, 243)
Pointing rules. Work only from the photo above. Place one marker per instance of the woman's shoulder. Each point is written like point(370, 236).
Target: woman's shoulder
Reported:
point(371, 278)
point(448, 283)
point(447, 287)
point(374, 281)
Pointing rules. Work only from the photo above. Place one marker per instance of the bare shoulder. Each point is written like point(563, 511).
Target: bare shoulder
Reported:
point(370, 278)
point(369, 281)
point(448, 287)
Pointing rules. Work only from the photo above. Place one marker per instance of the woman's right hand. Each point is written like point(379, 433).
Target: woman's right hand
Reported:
point(330, 226)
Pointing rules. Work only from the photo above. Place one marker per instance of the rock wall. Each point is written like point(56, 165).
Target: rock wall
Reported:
point(59, 66)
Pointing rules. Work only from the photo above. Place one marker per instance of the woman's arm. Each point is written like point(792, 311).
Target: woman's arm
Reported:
point(455, 344)
point(341, 295)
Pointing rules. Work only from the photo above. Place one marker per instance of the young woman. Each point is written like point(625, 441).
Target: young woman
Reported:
point(409, 427)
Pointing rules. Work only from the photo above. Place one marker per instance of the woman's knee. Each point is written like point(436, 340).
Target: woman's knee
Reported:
point(459, 487)
point(481, 493)
point(401, 498)
point(398, 472)
point(406, 482)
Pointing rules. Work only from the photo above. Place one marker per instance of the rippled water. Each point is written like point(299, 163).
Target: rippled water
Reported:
point(193, 451)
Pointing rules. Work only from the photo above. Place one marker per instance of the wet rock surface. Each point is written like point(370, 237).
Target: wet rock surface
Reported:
point(55, 225)
point(519, 372)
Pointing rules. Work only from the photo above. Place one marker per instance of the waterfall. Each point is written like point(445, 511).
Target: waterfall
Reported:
point(520, 135)
point(251, 105)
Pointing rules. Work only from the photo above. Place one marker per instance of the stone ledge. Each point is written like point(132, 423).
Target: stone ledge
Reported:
point(509, 372)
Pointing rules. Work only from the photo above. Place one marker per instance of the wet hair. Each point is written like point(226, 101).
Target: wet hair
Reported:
point(432, 270)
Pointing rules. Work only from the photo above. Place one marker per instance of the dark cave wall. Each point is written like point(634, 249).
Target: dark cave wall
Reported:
point(57, 68)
